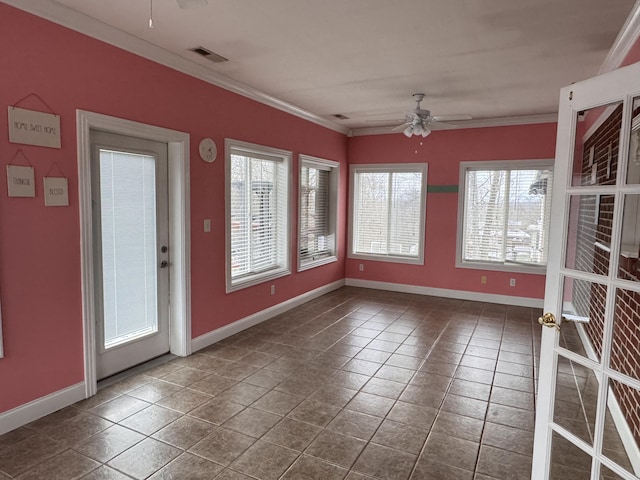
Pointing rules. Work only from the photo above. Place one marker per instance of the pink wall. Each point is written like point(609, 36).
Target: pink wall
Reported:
point(39, 247)
point(633, 55)
point(443, 151)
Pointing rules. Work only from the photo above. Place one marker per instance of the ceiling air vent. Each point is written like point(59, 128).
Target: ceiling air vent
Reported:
point(340, 116)
point(209, 55)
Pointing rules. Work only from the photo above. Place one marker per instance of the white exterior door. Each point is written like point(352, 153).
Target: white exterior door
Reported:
point(588, 411)
point(131, 250)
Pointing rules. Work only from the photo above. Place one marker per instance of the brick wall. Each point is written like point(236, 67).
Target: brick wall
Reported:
point(594, 228)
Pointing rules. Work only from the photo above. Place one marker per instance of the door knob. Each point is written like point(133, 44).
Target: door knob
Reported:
point(549, 320)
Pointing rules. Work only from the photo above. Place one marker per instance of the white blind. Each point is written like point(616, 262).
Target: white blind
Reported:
point(258, 214)
point(316, 239)
point(506, 215)
point(387, 213)
point(128, 245)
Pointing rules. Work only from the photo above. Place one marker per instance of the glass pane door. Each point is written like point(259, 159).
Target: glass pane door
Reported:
point(588, 415)
point(131, 253)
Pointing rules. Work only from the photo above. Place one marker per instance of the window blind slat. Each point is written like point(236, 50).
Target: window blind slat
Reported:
point(315, 240)
point(387, 213)
point(506, 215)
point(258, 222)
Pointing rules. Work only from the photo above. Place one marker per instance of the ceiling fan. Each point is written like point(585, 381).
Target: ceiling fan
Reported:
point(417, 121)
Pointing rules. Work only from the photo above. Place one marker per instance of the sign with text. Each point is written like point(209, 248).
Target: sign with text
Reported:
point(56, 192)
point(20, 181)
point(34, 128)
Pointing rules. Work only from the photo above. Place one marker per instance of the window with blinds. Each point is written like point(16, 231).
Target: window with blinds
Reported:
point(317, 212)
point(257, 186)
point(388, 212)
point(506, 214)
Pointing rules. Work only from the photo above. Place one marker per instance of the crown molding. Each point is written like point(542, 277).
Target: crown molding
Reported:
point(626, 38)
point(477, 123)
point(79, 22)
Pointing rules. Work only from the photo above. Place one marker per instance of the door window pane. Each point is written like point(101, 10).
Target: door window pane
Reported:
point(568, 461)
point(595, 160)
point(589, 235)
point(625, 351)
point(621, 441)
point(576, 399)
point(129, 257)
point(633, 168)
point(608, 474)
point(582, 324)
point(630, 239)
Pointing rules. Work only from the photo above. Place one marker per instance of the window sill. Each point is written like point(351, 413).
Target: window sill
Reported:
point(317, 263)
point(500, 267)
point(256, 279)
point(387, 258)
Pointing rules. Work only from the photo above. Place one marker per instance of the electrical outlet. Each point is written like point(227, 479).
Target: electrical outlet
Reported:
point(483, 279)
point(512, 282)
point(207, 225)
point(361, 267)
point(273, 289)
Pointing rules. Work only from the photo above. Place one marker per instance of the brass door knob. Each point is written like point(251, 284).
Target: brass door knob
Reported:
point(549, 320)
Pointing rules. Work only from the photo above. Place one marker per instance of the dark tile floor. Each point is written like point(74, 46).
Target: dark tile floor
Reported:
point(357, 384)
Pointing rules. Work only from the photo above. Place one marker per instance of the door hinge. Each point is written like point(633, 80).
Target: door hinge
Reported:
point(571, 95)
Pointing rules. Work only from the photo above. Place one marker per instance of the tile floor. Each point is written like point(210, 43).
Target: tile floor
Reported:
point(357, 384)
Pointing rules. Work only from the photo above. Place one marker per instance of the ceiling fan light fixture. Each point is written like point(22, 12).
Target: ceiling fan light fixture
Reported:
point(408, 131)
point(425, 132)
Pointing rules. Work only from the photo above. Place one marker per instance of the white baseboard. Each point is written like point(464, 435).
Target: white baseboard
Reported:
point(221, 333)
point(446, 293)
point(19, 416)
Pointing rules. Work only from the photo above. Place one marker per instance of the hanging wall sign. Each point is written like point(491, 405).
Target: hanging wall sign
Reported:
point(34, 128)
point(20, 181)
point(56, 192)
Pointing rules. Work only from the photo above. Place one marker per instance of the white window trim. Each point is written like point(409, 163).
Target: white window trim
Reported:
point(260, 151)
point(484, 165)
point(334, 182)
point(389, 167)
point(179, 224)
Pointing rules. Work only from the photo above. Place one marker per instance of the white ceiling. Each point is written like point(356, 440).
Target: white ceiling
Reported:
point(365, 58)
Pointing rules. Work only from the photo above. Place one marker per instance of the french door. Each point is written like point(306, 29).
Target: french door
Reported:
point(131, 250)
point(588, 412)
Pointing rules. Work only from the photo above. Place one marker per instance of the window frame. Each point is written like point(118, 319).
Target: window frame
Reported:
point(268, 153)
point(332, 208)
point(532, 164)
point(421, 167)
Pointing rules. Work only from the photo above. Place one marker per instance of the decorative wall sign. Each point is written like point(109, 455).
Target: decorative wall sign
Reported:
point(34, 128)
point(20, 181)
point(56, 192)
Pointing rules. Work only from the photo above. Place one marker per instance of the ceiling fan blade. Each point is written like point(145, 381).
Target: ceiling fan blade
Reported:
point(451, 118)
point(188, 4)
point(399, 127)
point(442, 126)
